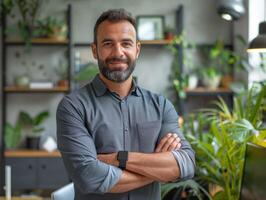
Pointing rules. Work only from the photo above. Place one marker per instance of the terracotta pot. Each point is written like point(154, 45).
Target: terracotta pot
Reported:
point(63, 83)
point(169, 36)
point(226, 81)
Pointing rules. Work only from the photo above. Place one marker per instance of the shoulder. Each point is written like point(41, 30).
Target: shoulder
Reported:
point(159, 99)
point(76, 98)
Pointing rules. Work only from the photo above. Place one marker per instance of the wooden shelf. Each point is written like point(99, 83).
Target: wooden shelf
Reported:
point(203, 90)
point(31, 153)
point(155, 42)
point(23, 198)
point(15, 89)
point(143, 42)
point(38, 41)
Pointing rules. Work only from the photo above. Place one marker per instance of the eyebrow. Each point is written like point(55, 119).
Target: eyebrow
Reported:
point(123, 40)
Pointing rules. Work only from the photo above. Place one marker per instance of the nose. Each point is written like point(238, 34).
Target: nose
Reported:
point(118, 51)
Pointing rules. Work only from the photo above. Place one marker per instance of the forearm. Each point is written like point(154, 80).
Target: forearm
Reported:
point(157, 166)
point(130, 181)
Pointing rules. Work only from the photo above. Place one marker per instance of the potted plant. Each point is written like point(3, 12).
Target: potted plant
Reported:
point(211, 77)
point(188, 79)
point(32, 127)
point(12, 135)
point(220, 148)
point(62, 73)
point(52, 28)
point(169, 33)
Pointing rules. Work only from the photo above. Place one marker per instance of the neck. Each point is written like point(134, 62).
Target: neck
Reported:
point(122, 89)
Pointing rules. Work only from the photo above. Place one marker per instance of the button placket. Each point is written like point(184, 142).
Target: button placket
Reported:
point(125, 124)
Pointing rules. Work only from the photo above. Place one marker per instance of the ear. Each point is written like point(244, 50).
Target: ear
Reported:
point(94, 50)
point(138, 48)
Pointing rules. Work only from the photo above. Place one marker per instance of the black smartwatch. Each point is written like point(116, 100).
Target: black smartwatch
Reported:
point(122, 157)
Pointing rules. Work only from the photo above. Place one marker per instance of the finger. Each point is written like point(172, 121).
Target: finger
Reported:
point(168, 143)
point(173, 146)
point(162, 142)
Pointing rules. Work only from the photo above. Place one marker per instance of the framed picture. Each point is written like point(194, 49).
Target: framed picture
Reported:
point(150, 27)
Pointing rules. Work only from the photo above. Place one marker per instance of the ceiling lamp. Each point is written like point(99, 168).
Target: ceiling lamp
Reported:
point(230, 9)
point(258, 44)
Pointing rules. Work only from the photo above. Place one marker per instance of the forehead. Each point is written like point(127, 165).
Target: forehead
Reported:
point(114, 30)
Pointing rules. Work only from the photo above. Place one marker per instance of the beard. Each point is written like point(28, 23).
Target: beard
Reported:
point(117, 76)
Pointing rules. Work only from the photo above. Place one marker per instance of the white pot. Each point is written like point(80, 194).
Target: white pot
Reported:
point(192, 81)
point(211, 83)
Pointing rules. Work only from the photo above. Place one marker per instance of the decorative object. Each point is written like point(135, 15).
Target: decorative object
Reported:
point(49, 144)
point(32, 127)
point(150, 27)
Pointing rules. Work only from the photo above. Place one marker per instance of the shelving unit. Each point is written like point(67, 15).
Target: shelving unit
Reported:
point(27, 158)
point(15, 89)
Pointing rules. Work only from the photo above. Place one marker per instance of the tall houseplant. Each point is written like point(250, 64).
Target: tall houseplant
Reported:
point(220, 150)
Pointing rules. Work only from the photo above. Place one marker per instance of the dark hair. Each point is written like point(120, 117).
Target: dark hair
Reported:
point(113, 15)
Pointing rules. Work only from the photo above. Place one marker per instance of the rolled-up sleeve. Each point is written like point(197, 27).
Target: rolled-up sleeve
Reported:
point(79, 153)
point(185, 156)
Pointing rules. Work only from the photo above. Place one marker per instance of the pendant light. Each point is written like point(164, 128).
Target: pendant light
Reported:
point(258, 44)
point(230, 9)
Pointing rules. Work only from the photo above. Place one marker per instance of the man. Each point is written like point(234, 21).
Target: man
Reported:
point(117, 140)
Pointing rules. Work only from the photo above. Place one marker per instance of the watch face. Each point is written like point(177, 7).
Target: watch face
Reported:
point(122, 155)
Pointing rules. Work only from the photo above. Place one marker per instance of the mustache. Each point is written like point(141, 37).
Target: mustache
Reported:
point(116, 59)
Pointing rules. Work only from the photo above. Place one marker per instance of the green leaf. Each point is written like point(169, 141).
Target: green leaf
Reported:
point(40, 118)
point(12, 135)
point(25, 119)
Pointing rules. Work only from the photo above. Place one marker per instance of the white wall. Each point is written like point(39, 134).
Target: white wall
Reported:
point(201, 23)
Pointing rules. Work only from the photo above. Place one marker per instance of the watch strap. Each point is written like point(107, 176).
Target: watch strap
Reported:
point(122, 157)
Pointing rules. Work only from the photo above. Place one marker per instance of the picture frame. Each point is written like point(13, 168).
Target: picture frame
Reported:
point(150, 27)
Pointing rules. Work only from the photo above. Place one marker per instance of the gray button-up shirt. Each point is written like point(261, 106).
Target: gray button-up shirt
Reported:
point(93, 120)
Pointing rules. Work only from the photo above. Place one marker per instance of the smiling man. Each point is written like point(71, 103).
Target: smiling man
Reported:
point(119, 141)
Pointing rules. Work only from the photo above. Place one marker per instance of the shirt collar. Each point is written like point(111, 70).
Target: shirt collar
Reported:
point(100, 87)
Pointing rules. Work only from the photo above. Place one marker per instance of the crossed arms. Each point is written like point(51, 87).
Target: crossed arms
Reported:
point(143, 168)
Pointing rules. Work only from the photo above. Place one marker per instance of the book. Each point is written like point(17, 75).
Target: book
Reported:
point(41, 85)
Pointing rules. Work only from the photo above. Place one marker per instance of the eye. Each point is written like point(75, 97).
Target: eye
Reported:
point(127, 44)
point(107, 44)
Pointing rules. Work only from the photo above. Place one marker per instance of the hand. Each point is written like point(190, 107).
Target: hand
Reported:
point(168, 143)
point(108, 158)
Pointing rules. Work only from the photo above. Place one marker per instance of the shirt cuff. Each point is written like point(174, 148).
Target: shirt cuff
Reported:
point(186, 165)
point(112, 177)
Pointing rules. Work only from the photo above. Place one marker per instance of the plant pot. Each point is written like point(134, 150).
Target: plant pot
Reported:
point(22, 81)
point(169, 35)
point(32, 142)
point(211, 82)
point(226, 81)
point(63, 83)
point(192, 81)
